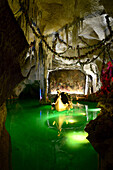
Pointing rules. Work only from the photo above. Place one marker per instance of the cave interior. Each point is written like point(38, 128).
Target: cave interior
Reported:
point(55, 44)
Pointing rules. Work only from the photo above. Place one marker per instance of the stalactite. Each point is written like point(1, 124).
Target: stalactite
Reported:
point(36, 16)
point(81, 24)
point(62, 34)
point(25, 26)
point(76, 4)
point(77, 27)
point(39, 62)
point(22, 21)
point(32, 12)
point(28, 34)
point(28, 4)
point(51, 59)
point(24, 2)
point(108, 24)
point(40, 53)
point(74, 34)
point(66, 31)
point(41, 67)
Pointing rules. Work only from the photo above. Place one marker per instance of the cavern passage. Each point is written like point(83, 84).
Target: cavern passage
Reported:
point(46, 45)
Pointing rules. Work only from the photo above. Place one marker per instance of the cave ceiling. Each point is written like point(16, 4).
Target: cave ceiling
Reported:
point(53, 16)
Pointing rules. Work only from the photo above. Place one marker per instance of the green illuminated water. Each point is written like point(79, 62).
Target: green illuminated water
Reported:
point(43, 139)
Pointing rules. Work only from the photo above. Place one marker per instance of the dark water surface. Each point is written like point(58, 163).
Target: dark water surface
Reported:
point(43, 139)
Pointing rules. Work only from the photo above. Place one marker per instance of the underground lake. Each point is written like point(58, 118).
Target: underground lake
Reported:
point(45, 139)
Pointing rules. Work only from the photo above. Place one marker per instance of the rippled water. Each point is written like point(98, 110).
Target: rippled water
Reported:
point(44, 139)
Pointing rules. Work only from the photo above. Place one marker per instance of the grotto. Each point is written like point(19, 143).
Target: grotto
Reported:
point(46, 46)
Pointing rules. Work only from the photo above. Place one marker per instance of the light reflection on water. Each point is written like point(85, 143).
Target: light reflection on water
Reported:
point(47, 139)
point(74, 119)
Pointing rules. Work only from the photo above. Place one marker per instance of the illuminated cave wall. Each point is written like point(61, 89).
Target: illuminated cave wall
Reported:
point(71, 81)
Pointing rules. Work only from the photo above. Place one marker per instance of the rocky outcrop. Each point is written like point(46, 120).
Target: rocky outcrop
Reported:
point(13, 47)
point(100, 135)
point(3, 113)
point(5, 145)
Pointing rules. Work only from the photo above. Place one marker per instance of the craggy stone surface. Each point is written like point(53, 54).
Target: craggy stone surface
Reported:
point(54, 14)
point(5, 145)
point(3, 113)
point(13, 47)
point(5, 151)
point(100, 135)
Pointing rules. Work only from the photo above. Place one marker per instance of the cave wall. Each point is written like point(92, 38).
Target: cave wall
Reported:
point(13, 47)
point(71, 81)
point(5, 141)
point(100, 132)
point(3, 113)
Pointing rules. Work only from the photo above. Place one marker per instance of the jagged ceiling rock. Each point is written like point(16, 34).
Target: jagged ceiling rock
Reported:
point(96, 28)
point(51, 15)
point(56, 14)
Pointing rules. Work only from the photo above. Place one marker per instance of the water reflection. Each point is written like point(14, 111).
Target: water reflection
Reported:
point(46, 139)
point(73, 120)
